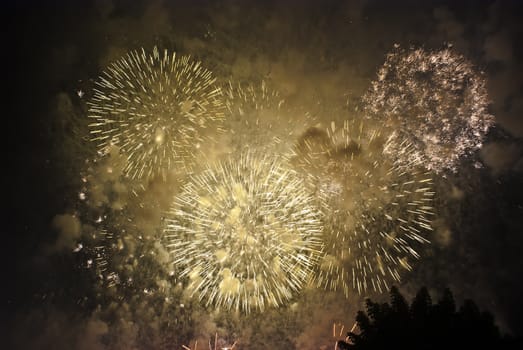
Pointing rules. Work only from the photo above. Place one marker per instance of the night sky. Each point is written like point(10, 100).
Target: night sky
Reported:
point(321, 57)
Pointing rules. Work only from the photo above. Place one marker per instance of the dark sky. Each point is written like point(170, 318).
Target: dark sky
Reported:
point(318, 54)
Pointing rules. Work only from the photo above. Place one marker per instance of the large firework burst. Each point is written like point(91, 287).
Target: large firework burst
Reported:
point(246, 233)
point(376, 212)
point(259, 118)
point(156, 108)
point(434, 99)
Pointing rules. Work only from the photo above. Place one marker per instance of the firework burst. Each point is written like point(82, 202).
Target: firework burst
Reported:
point(376, 213)
point(434, 99)
point(156, 108)
point(259, 118)
point(100, 255)
point(245, 233)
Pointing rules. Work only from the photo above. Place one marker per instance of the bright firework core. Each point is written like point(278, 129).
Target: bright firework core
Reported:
point(156, 108)
point(246, 233)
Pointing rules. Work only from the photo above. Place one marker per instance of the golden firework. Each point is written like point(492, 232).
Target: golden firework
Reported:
point(245, 233)
point(157, 108)
point(376, 212)
point(258, 117)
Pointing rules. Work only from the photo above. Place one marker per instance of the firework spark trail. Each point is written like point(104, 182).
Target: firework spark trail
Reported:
point(156, 108)
point(99, 252)
point(434, 99)
point(245, 232)
point(258, 117)
point(376, 212)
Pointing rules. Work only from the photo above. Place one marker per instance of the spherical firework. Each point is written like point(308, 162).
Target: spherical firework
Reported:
point(156, 108)
point(258, 118)
point(376, 213)
point(435, 100)
point(245, 233)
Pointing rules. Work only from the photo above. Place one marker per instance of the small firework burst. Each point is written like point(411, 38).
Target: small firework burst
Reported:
point(434, 99)
point(156, 108)
point(219, 344)
point(98, 251)
point(338, 332)
point(245, 233)
point(376, 212)
point(259, 118)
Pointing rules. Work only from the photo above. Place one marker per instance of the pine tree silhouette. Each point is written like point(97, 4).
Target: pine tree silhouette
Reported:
point(426, 326)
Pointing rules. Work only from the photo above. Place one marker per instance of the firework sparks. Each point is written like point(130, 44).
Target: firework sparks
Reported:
point(245, 233)
point(260, 118)
point(434, 99)
point(98, 254)
point(156, 108)
point(341, 327)
point(223, 345)
point(376, 213)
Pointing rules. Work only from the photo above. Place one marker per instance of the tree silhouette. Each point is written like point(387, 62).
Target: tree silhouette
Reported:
point(425, 326)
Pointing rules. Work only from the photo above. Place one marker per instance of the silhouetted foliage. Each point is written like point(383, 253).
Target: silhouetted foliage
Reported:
point(424, 325)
